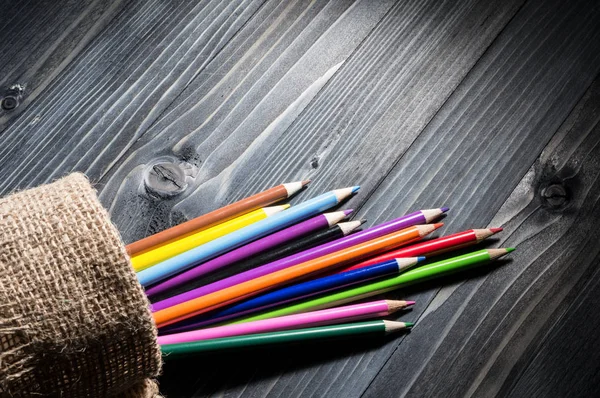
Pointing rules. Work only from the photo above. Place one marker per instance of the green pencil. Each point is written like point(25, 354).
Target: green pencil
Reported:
point(423, 273)
point(287, 336)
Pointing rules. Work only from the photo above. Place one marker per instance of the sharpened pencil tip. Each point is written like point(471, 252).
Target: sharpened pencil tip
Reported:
point(409, 324)
point(496, 230)
point(438, 225)
point(420, 258)
point(445, 209)
point(510, 249)
point(305, 182)
point(348, 211)
point(355, 188)
point(409, 303)
point(362, 221)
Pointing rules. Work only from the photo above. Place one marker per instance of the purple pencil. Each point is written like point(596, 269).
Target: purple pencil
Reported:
point(418, 217)
point(304, 228)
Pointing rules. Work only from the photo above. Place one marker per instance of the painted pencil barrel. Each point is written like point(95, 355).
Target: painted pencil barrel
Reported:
point(288, 336)
point(423, 273)
point(271, 281)
point(344, 314)
point(292, 293)
point(250, 251)
point(242, 236)
point(149, 258)
point(311, 254)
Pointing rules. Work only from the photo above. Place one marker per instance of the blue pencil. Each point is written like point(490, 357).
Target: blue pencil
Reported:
point(242, 236)
point(301, 291)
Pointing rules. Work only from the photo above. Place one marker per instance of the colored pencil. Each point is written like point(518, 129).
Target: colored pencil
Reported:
point(271, 281)
point(148, 258)
point(432, 247)
point(348, 313)
point(250, 252)
point(299, 291)
point(218, 216)
point(377, 231)
point(377, 327)
point(419, 274)
point(244, 235)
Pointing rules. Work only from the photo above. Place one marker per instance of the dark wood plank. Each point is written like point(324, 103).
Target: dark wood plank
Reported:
point(513, 101)
point(252, 91)
point(39, 40)
point(391, 86)
point(528, 328)
point(108, 95)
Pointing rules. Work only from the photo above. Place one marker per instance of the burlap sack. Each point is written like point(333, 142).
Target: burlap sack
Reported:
point(74, 322)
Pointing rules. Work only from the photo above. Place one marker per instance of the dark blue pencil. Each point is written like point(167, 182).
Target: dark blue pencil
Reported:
point(300, 291)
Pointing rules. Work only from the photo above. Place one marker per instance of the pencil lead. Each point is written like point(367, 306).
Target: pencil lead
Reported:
point(406, 262)
point(343, 193)
point(445, 209)
point(410, 303)
point(362, 221)
point(348, 212)
point(305, 182)
point(391, 326)
point(335, 217)
point(409, 324)
point(355, 188)
point(293, 187)
point(432, 214)
point(395, 305)
point(420, 258)
point(438, 225)
point(496, 230)
point(497, 253)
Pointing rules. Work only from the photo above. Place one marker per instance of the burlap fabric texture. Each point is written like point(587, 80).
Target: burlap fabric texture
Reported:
point(74, 322)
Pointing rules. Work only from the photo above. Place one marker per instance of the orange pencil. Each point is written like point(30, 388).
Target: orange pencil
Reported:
point(252, 287)
point(218, 216)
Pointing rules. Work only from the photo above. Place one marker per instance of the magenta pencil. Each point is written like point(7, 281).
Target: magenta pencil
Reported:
point(418, 217)
point(316, 223)
point(329, 316)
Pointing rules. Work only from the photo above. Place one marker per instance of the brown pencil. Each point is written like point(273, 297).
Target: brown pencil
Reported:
point(218, 216)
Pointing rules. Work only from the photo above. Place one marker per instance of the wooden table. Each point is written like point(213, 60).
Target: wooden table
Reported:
point(174, 108)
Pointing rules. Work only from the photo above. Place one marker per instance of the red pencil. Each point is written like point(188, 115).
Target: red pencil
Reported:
point(432, 247)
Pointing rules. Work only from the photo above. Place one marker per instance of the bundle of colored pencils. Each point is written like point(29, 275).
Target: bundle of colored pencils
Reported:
point(252, 274)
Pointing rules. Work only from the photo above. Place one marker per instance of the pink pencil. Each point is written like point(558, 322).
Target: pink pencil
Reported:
point(329, 316)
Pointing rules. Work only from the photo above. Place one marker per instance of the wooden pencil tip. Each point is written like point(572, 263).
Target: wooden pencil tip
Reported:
point(391, 326)
point(438, 225)
point(497, 253)
point(305, 182)
point(496, 230)
point(395, 305)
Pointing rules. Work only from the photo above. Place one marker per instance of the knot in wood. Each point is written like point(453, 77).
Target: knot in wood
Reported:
point(11, 98)
point(9, 103)
point(165, 180)
point(554, 195)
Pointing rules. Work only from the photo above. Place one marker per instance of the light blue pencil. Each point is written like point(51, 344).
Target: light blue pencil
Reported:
point(242, 236)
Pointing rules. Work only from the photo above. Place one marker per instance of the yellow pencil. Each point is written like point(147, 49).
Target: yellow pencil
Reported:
point(149, 258)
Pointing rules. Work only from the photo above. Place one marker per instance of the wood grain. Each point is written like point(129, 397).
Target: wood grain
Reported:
point(108, 94)
point(40, 39)
point(252, 91)
point(514, 108)
point(391, 86)
point(521, 330)
point(478, 105)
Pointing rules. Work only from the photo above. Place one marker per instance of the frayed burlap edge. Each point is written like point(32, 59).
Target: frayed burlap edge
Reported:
point(74, 321)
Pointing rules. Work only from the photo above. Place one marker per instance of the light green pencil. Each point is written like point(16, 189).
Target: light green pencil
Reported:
point(426, 272)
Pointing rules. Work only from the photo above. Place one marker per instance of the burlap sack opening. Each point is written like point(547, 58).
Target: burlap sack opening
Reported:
point(74, 322)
